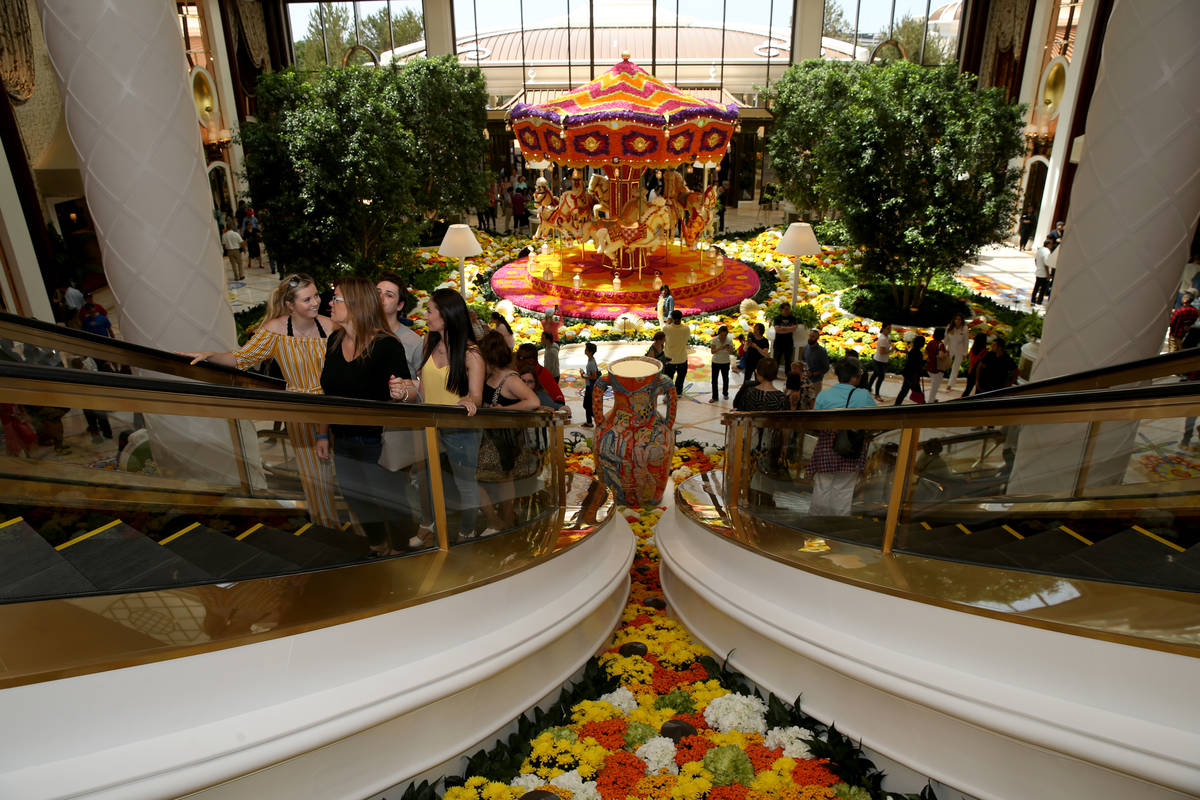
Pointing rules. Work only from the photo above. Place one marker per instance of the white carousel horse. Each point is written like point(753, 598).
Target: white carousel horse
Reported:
point(652, 229)
point(701, 208)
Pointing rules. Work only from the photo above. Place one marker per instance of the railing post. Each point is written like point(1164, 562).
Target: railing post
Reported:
point(436, 489)
point(901, 476)
point(733, 466)
point(560, 461)
point(239, 456)
point(1089, 452)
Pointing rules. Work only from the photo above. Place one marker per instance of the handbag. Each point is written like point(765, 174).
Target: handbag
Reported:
point(917, 395)
point(943, 359)
point(503, 453)
point(849, 443)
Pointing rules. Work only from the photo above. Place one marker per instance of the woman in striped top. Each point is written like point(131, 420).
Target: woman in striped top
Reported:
point(294, 335)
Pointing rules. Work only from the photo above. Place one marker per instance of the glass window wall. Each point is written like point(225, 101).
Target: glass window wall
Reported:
point(923, 31)
point(362, 32)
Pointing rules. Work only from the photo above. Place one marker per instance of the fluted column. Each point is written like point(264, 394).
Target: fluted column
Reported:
point(129, 110)
point(1136, 196)
point(1134, 205)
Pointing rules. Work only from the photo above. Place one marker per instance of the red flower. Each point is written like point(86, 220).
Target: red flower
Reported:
point(640, 619)
point(609, 734)
point(812, 772)
point(620, 773)
point(665, 680)
point(734, 791)
point(760, 757)
point(691, 748)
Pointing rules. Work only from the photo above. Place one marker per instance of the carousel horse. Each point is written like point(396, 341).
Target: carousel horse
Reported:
point(598, 189)
point(701, 208)
point(651, 230)
point(565, 216)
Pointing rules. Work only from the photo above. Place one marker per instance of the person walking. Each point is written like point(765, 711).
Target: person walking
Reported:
point(956, 343)
point(234, 246)
point(914, 369)
point(1182, 321)
point(879, 362)
point(978, 350)
point(591, 374)
point(816, 360)
point(1041, 272)
point(722, 354)
point(785, 326)
point(675, 346)
point(937, 361)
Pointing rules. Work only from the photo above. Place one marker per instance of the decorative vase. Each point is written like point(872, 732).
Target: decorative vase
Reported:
point(616, 283)
point(634, 443)
point(577, 281)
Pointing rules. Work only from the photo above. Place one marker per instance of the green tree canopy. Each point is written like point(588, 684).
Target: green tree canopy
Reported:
point(835, 24)
point(908, 32)
point(348, 166)
point(914, 160)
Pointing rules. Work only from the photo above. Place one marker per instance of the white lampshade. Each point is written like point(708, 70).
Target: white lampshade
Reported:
point(459, 242)
point(798, 240)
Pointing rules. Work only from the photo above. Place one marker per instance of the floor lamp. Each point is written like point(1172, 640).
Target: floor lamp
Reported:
point(459, 242)
point(799, 240)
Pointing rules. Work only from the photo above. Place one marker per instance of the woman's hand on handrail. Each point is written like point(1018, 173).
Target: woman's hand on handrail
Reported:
point(224, 359)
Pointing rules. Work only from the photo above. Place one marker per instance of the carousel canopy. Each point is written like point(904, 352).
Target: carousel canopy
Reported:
point(626, 116)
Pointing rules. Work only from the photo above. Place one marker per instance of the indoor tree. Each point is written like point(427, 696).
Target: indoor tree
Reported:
point(348, 166)
point(915, 162)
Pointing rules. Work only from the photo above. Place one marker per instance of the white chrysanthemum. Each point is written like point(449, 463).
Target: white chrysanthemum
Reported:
point(448, 284)
point(587, 461)
point(527, 781)
point(622, 698)
point(659, 755)
point(711, 450)
point(910, 335)
point(737, 712)
point(790, 740)
point(583, 448)
point(576, 785)
point(680, 475)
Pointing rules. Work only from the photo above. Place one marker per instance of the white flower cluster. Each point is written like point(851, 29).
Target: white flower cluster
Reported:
point(659, 755)
point(572, 781)
point(790, 740)
point(737, 712)
point(680, 475)
point(582, 448)
point(622, 698)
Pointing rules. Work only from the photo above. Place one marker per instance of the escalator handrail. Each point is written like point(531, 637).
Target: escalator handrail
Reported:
point(82, 343)
point(32, 384)
point(1144, 402)
point(1160, 366)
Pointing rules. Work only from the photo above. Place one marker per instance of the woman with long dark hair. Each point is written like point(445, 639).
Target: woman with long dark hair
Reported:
point(294, 334)
point(979, 347)
point(361, 361)
point(453, 373)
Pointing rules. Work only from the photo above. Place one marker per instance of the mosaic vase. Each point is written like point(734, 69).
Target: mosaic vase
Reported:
point(634, 442)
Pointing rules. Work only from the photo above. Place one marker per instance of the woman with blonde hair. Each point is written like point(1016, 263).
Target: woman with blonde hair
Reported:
point(362, 359)
point(294, 334)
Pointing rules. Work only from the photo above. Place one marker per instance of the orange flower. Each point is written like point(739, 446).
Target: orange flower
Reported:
point(621, 772)
point(656, 787)
point(812, 771)
point(691, 748)
point(734, 791)
point(609, 734)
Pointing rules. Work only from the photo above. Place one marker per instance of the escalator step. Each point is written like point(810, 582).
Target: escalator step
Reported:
point(345, 540)
point(975, 547)
point(121, 557)
point(1125, 556)
point(1040, 549)
point(1190, 557)
point(223, 557)
point(32, 568)
point(297, 549)
point(850, 529)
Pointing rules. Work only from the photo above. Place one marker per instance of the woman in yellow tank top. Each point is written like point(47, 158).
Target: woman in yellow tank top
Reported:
point(294, 334)
point(452, 373)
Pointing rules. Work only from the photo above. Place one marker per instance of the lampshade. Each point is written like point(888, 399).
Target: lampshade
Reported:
point(798, 240)
point(459, 242)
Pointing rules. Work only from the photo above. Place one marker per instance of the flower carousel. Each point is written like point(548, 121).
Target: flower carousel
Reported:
point(605, 247)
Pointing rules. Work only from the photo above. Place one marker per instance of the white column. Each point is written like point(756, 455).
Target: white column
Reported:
point(20, 259)
point(439, 27)
point(129, 111)
point(1061, 150)
point(1136, 195)
point(130, 115)
point(808, 19)
point(222, 74)
point(1134, 205)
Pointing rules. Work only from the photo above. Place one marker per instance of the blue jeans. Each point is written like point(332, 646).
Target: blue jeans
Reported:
point(462, 450)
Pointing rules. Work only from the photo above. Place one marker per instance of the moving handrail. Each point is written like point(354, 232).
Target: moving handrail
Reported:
point(59, 337)
point(1160, 366)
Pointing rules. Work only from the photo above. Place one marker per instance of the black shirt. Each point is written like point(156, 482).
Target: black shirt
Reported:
point(783, 341)
point(364, 378)
point(753, 356)
point(995, 371)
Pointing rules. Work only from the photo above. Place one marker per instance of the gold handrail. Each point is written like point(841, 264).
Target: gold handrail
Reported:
point(81, 343)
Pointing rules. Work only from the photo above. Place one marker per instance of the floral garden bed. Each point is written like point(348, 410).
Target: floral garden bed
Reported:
point(655, 717)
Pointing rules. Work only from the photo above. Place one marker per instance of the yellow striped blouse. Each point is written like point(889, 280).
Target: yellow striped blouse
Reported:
point(300, 357)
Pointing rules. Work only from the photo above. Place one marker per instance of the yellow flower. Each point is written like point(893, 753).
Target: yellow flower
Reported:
point(627, 669)
point(593, 711)
point(704, 692)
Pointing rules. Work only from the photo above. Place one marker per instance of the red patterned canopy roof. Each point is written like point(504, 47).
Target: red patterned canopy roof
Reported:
point(626, 116)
